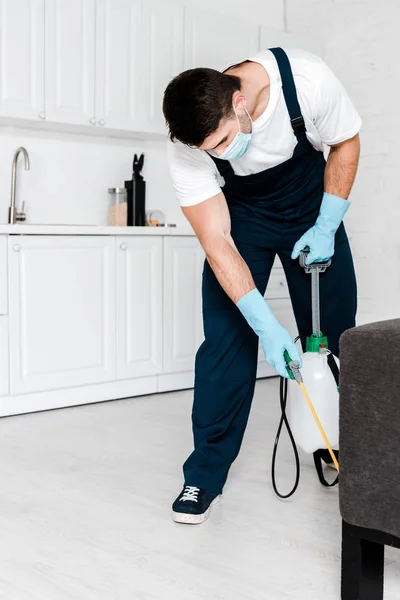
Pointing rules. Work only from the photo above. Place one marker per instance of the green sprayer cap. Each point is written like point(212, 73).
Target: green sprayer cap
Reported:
point(314, 343)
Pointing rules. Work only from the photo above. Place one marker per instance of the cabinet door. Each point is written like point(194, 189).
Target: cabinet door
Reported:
point(183, 327)
point(3, 276)
point(163, 47)
point(62, 311)
point(22, 58)
point(215, 41)
point(4, 357)
point(120, 77)
point(139, 306)
point(70, 61)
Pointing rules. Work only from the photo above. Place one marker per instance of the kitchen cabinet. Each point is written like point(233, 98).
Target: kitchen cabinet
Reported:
point(70, 61)
point(183, 327)
point(106, 63)
point(62, 311)
point(139, 50)
point(96, 315)
point(121, 88)
point(212, 41)
point(139, 306)
point(4, 357)
point(22, 58)
point(3, 276)
point(162, 53)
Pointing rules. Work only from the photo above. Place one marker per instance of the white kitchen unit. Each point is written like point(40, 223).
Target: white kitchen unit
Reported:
point(139, 306)
point(103, 65)
point(3, 276)
point(139, 50)
point(62, 311)
point(120, 79)
point(162, 51)
point(212, 41)
point(182, 316)
point(4, 354)
point(70, 61)
point(99, 313)
point(22, 58)
point(4, 357)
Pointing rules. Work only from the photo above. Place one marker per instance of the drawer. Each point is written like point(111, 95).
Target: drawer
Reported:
point(4, 357)
point(277, 286)
point(3, 276)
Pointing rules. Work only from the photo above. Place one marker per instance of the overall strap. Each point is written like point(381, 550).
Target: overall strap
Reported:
point(289, 91)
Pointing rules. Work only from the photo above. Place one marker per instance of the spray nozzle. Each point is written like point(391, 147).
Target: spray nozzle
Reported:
point(293, 368)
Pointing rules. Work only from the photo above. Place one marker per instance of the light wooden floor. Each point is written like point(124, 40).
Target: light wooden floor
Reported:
point(85, 500)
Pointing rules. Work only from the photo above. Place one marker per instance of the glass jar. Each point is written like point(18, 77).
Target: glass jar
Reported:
point(118, 211)
point(155, 218)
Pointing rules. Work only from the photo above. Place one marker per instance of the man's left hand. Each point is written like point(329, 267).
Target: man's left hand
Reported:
point(320, 238)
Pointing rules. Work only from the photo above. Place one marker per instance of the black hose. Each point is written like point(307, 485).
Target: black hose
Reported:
point(283, 388)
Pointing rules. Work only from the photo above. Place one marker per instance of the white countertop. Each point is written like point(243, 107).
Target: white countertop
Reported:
point(31, 229)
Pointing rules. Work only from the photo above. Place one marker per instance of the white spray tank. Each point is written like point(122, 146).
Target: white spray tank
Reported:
point(318, 380)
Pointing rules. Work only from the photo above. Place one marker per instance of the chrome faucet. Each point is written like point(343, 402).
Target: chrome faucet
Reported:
point(13, 215)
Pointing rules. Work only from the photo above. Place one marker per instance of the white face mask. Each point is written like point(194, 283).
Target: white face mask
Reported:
point(240, 144)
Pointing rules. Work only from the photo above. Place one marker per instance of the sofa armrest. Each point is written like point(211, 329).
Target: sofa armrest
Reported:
point(370, 426)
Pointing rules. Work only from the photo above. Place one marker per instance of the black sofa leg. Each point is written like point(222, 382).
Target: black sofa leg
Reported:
point(351, 563)
point(362, 566)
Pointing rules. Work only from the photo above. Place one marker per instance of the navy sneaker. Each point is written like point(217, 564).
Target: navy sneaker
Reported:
point(193, 505)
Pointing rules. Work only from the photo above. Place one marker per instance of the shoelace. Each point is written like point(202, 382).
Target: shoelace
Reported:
point(190, 493)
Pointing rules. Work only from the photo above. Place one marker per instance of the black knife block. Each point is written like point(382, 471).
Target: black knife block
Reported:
point(136, 191)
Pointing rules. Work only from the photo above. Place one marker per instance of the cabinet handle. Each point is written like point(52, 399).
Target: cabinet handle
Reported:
point(102, 122)
point(42, 116)
point(92, 121)
point(16, 248)
point(123, 246)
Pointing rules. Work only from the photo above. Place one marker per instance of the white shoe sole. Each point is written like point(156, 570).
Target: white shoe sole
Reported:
point(188, 519)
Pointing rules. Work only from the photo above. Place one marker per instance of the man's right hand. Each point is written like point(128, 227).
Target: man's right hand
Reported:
point(274, 345)
point(274, 338)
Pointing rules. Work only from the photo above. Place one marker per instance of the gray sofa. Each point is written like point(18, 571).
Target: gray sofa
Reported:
point(369, 455)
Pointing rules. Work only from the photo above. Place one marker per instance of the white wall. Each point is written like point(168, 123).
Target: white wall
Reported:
point(70, 176)
point(361, 46)
point(265, 12)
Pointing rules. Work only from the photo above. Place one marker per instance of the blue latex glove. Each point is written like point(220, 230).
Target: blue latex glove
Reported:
point(274, 338)
point(321, 238)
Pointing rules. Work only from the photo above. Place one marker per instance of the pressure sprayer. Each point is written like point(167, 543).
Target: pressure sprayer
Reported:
point(311, 425)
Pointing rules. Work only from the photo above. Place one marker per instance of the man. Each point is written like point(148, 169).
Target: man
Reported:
point(246, 158)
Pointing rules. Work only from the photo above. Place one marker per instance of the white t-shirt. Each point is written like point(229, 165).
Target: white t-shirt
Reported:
point(328, 112)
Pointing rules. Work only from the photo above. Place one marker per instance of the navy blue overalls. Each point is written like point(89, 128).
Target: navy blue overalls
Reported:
point(269, 212)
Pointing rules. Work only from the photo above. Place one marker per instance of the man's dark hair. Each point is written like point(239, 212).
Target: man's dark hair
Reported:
point(195, 102)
